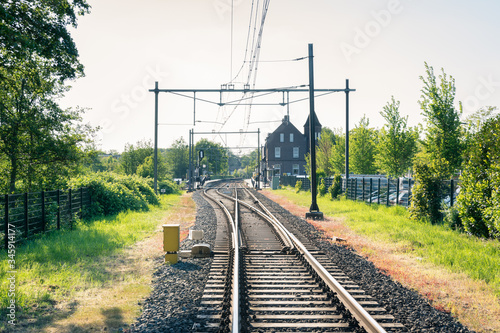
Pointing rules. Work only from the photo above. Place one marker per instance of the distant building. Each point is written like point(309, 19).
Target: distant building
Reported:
point(285, 149)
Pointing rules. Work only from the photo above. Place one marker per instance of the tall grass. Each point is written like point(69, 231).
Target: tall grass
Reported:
point(55, 265)
point(438, 244)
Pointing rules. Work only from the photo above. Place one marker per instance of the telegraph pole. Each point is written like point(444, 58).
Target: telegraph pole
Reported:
point(346, 130)
point(314, 212)
point(156, 91)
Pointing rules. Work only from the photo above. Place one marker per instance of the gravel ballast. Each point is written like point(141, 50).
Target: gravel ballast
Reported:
point(177, 289)
point(409, 308)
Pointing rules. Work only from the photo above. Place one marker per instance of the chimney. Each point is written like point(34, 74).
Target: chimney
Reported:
point(286, 119)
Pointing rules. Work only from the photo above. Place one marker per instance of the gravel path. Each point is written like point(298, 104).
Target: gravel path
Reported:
point(177, 289)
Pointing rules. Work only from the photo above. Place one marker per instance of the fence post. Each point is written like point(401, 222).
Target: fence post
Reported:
point(43, 210)
point(388, 190)
point(355, 189)
point(81, 203)
point(397, 192)
point(409, 192)
point(371, 189)
point(363, 186)
point(70, 210)
point(452, 191)
point(6, 229)
point(26, 226)
point(378, 191)
point(58, 209)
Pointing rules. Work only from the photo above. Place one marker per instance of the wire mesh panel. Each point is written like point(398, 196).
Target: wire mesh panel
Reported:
point(27, 214)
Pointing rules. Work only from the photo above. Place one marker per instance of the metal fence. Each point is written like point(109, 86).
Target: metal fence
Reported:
point(378, 189)
point(392, 191)
point(27, 214)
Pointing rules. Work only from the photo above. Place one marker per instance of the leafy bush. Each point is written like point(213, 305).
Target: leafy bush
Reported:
point(479, 200)
point(298, 186)
point(322, 187)
point(426, 194)
point(169, 186)
point(112, 193)
point(452, 218)
point(336, 186)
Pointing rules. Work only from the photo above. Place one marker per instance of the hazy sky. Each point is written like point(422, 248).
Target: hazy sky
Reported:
point(380, 46)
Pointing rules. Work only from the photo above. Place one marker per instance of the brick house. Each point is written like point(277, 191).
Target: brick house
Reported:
point(285, 149)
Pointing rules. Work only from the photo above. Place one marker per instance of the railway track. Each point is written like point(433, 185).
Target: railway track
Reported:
point(267, 277)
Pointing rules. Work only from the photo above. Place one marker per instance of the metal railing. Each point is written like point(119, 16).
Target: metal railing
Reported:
point(378, 189)
point(27, 214)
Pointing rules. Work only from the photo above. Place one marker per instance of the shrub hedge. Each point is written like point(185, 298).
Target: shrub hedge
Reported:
point(112, 193)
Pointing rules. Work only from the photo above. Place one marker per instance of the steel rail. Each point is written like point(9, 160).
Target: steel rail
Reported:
point(363, 317)
point(278, 227)
point(236, 272)
point(235, 302)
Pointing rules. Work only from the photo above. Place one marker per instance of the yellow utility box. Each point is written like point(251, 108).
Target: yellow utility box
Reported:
point(171, 235)
point(171, 242)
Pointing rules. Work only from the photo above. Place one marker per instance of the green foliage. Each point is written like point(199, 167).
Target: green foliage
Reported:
point(246, 164)
point(336, 187)
point(169, 186)
point(298, 186)
point(427, 191)
point(42, 144)
point(177, 159)
point(322, 187)
point(134, 156)
point(362, 149)
point(112, 193)
point(38, 29)
point(216, 156)
point(443, 137)
point(452, 218)
point(397, 142)
point(479, 198)
point(324, 151)
point(52, 264)
point(435, 244)
point(337, 159)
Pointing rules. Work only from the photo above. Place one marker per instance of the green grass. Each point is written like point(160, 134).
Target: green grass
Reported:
point(438, 244)
point(53, 266)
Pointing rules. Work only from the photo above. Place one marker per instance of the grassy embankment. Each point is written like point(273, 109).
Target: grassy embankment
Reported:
point(457, 273)
point(89, 278)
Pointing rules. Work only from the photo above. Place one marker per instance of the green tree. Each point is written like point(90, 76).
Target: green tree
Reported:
point(397, 143)
point(443, 131)
point(362, 148)
point(37, 30)
point(216, 156)
point(337, 158)
point(43, 143)
point(428, 189)
point(479, 200)
point(324, 151)
point(134, 156)
point(177, 158)
point(146, 168)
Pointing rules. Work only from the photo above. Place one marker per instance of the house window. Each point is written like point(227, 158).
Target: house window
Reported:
point(317, 135)
point(291, 137)
point(295, 152)
point(277, 152)
point(282, 137)
point(277, 170)
point(295, 169)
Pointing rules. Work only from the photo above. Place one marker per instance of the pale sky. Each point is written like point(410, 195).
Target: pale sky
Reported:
point(380, 46)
